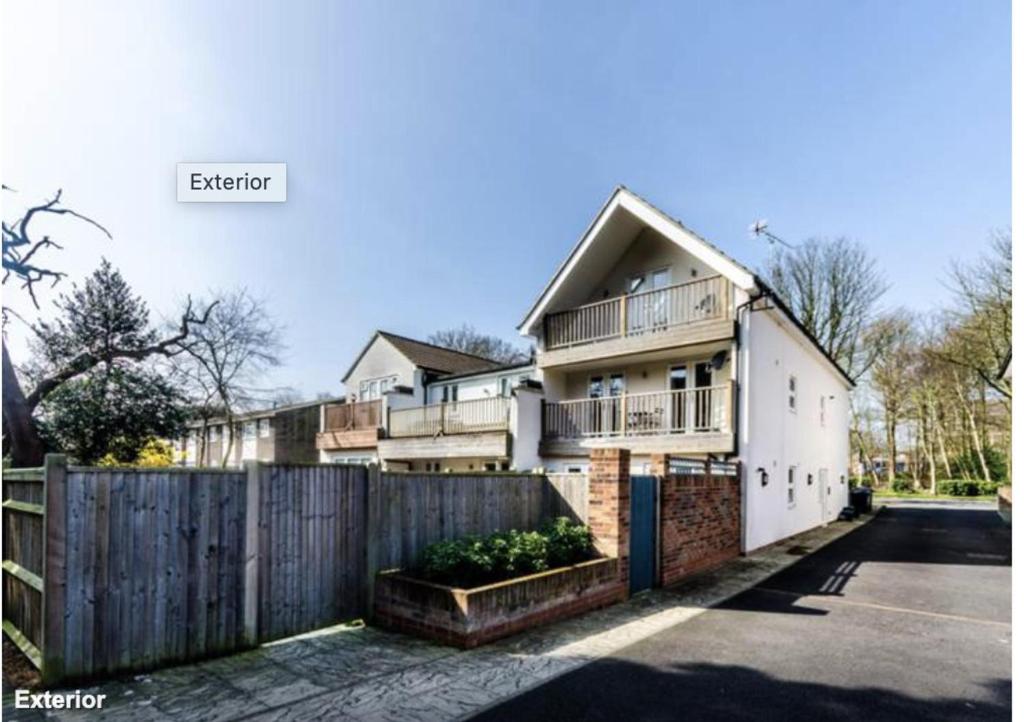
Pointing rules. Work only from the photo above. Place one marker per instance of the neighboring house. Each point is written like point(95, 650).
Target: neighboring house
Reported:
point(390, 374)
point(475, 421)
point(285, 434)
point(650, 338)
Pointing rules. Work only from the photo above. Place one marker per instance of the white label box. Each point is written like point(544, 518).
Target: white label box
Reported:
point(232, 182)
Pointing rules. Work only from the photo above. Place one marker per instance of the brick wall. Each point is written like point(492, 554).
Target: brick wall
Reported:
point(608, 507)
point(700, 522)
point(469, 617)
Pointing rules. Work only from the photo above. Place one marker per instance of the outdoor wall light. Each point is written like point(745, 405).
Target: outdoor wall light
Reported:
point(764, 475)
point(810, 479)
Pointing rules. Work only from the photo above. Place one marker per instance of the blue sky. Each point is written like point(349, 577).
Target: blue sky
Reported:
point(443, 157)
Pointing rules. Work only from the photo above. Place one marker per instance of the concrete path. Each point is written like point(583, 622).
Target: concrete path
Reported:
point(905, 619)
point(368, 674)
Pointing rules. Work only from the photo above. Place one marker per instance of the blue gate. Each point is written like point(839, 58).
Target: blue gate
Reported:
point(642, 530)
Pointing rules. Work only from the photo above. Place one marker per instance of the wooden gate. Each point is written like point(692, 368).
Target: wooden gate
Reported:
point(643, 496)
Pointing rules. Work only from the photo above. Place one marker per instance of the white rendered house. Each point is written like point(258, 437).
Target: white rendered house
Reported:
point(650, 338)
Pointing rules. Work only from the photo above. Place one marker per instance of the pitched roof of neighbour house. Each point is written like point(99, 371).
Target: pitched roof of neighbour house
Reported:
point(496, 370)
point(262, 413)
point(428, 356)
point(675, 231)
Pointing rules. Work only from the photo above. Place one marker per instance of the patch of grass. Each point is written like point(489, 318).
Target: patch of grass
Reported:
point(925, 495)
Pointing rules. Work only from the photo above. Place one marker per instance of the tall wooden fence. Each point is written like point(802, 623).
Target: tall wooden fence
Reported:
point(117, 569)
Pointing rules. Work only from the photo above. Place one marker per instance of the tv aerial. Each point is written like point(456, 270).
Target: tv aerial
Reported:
point(760, 228)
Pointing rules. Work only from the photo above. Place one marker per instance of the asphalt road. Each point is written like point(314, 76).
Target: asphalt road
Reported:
point(907, 618)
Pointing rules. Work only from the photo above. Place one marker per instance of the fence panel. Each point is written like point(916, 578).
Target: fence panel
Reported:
point(418, 509)
point(312, 555)
point(23, 547)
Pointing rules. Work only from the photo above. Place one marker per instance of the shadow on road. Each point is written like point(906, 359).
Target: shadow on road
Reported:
point(731, 692)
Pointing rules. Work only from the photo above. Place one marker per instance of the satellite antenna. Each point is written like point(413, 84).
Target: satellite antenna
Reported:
point(718, 360)
point(760, 228)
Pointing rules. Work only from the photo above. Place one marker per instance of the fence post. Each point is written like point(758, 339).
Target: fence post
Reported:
point(373, 524)
point(55, 480)
point(252, 549)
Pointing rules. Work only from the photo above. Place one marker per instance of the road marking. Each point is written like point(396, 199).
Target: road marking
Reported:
point(884, 607)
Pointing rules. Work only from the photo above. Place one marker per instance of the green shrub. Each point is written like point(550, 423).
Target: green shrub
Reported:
point(472, 561)
point(901, 484)
point(963, 487)
point(969, 463)
point(567, 542)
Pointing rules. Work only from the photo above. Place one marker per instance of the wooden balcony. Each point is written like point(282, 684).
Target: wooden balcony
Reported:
point(688, 420)
point(477, 428)
point(686, 313)
point(351, 426)
point(454, 417)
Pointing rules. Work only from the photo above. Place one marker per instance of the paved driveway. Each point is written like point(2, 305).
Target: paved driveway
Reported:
point(905, 618)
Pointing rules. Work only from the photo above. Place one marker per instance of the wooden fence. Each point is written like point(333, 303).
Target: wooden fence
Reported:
point(123, 569)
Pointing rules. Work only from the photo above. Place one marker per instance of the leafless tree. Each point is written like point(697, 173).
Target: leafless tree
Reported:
point(982, 317)
point(20, 246)
point(225, 361)
point(833, 287)
point(467, 339)
point(893, 336)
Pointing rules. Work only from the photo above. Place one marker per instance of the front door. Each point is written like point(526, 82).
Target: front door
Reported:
point(824, 492)
point(643, 491)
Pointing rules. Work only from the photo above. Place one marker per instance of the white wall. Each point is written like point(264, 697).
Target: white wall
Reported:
point(382, 359)
point(774, 438)
point(525, 425)
point(479, 386)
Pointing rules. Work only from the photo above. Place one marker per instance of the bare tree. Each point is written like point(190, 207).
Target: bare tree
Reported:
point(225, 360)
point(982, 319)
point(90, 348)
point(833, 287)
point(893, 336)
point(467, 339)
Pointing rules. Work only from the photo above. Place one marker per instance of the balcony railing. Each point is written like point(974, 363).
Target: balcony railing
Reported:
point(639, 313)
point(454, 417)
point(685, 411)
point(358, 416)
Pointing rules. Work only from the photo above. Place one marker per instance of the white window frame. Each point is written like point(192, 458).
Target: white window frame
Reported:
point(791, 392)
point(248, 431)
point(791, 487)
point(821, 410)
point(263, 428)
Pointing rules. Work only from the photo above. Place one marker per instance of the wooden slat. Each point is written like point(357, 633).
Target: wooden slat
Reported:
point(22, 642)
point(21, 573)
point(24, 507)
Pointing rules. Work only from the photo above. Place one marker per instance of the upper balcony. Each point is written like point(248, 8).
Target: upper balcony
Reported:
point(351, 426)
point(478, 427)
point(686, 313)
point(698, 420)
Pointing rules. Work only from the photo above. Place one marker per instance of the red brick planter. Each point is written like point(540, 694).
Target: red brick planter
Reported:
point(469, 617)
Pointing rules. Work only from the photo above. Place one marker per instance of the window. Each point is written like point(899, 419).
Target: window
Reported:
point(792, 394)
point(264, 428)
point(791, 486)
point(371, 389)
point(249, 430)
point(490, 466)
point(450, 393)
point(821, 410)
point(213, 434)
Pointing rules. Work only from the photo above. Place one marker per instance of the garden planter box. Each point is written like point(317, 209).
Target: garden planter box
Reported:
point(470, 617)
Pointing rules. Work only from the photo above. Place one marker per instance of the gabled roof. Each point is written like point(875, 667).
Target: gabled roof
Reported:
point(624, 200)
point(428, 356)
